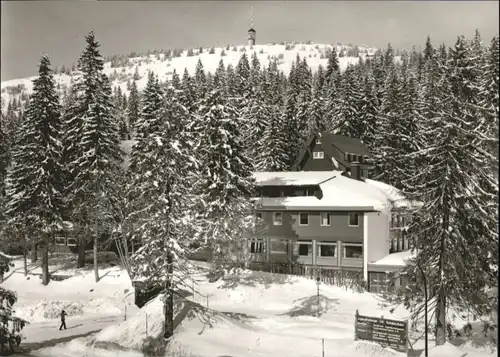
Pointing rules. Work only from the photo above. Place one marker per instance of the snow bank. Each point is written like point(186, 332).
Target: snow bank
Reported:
point(446, 350)
point(367, 348)
point(51, 309)
point(82, 347)
point(148, 321)
point(46, 310)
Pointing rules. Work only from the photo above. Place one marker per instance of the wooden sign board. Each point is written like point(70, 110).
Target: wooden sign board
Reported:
point(385, 332)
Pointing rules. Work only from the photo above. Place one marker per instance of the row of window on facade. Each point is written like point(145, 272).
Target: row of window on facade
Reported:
point(67, 241)
point(304, 248)
point(352, 219)
point(318, 155)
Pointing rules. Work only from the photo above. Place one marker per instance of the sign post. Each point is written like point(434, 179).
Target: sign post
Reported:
point(387, 333)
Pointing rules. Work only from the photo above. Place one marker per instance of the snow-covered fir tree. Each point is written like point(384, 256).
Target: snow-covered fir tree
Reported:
point(98, 162)
point(316, 111)
point(348, 118)
point(455, 225)
point(368, 112)
point(4, 154)
point(242, 72)
point(200, 80)
point(162, 200)
point(34, 183)
point(332, 72)
point(389, 115)
point(256, 121)
point(133, 107)
point(489, 90)
point(225, 182)
point(188, 97)
point(220, 80)
point(120, 114)
point(275, 139)
point(176, 81)
point(152, 99)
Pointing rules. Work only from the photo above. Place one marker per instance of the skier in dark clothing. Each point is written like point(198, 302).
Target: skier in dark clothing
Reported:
point(63, 320)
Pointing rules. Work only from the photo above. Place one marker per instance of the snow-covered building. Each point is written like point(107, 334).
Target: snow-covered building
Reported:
point(327, 219)
point(326, 152)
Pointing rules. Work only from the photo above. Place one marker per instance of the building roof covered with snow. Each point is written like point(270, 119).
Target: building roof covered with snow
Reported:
point(292, 178)
point(338, 192)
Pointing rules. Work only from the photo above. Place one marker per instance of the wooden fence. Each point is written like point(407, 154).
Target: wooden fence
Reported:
point(337, 277)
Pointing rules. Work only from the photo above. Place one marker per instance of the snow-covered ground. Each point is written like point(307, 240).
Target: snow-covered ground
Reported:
point(246, 315)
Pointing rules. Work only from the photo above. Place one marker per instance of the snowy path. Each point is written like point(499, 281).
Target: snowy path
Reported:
point(47, 334)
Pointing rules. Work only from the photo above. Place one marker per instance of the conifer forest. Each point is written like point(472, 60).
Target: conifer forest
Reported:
point(429, 117)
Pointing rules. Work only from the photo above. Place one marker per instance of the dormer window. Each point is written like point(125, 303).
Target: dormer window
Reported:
point(353, 157)
point(318, 155)
point(318, 141)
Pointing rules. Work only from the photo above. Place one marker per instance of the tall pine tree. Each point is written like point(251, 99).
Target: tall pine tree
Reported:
point(93, 191)
point(455, 227)
point(34, 199)
point(162, 200)
point(133, 107)
point(225, 183)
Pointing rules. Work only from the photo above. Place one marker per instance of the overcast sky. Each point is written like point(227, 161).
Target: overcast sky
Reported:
point(29, 28)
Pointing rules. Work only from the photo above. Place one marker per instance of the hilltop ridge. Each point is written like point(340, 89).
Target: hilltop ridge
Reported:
point(121, 68)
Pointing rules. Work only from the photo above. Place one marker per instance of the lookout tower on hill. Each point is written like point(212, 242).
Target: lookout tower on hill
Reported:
point(251, 32)
point(251, 37)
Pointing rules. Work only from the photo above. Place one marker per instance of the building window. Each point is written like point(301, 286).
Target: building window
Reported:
point(354, 251)
point(325, 219)
point(257, 246)
point(327, 249)
point(303, 248)
point(398, 220)
point(299, 193)
point(61, 240)
point(303, 219)
point(378, 282)
point(350, 157)
point(279, 246)
point(318, 155)
point(318, 141)
point(258, 215)
point(353, 219)
point(277, 218)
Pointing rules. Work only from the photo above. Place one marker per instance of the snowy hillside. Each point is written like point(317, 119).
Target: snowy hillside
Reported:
point(315, 55)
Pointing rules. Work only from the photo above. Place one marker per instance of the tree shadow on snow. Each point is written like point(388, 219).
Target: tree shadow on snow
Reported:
point(254, 279)
point(209, 317)
point(308, 306)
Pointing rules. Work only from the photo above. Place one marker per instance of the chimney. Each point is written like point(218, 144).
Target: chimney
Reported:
point(356, 170)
